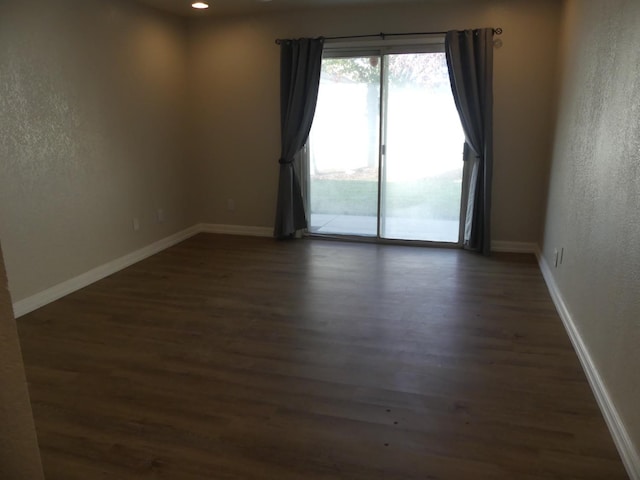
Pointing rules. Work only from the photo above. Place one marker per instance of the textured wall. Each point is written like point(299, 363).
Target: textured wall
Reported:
point(92, 95)
point(594, 196)
point(19, 454)
point(235, 75)
point(94, 124)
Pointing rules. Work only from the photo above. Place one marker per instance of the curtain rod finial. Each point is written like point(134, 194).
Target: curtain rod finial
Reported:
point(497, 31)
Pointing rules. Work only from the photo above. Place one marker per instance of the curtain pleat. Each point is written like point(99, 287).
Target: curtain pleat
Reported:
point(300, 64)
point(470, 62)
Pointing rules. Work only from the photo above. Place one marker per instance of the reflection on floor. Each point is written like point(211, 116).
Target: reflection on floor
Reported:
point(394, 228)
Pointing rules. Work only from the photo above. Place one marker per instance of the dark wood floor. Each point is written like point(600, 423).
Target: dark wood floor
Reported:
point(246, 358)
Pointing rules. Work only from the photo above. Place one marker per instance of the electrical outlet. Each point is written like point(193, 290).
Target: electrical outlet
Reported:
point(231, 205)
point(136, 224)
point(160, 215)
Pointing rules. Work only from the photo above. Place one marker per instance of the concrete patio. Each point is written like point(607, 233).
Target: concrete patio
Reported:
point(397, 228)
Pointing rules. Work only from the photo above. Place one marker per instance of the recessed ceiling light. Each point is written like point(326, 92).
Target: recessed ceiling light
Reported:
point(200, 5)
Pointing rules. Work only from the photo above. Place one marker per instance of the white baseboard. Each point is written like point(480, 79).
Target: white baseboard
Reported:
point(513, 247)
point(626, 448)
point(29, 304)
point(236, 230)
point(40, 299)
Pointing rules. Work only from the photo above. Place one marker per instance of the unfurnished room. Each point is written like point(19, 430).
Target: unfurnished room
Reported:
point(319, 239)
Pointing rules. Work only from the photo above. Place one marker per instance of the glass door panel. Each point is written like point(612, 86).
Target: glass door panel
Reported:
point(344, 148)
point(421, 183)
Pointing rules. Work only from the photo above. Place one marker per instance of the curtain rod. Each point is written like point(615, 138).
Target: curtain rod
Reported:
point(496, 31)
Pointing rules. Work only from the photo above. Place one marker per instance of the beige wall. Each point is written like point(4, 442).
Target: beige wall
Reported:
point(95, 127)
point(19, 454)
point(235, 75)
point(594, 195)
point(92, 95)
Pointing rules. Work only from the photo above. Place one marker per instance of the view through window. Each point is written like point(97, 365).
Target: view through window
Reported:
point(385, 149)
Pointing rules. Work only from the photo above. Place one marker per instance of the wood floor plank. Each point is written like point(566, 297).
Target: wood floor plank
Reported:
point(247, 358)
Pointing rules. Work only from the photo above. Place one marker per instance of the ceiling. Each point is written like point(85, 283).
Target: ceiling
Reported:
point(228, 7)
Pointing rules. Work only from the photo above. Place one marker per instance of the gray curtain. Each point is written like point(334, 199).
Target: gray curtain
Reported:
point(300, 63)
point(470, 61)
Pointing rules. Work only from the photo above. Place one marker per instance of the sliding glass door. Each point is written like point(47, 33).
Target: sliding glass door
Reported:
point(385, 150)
